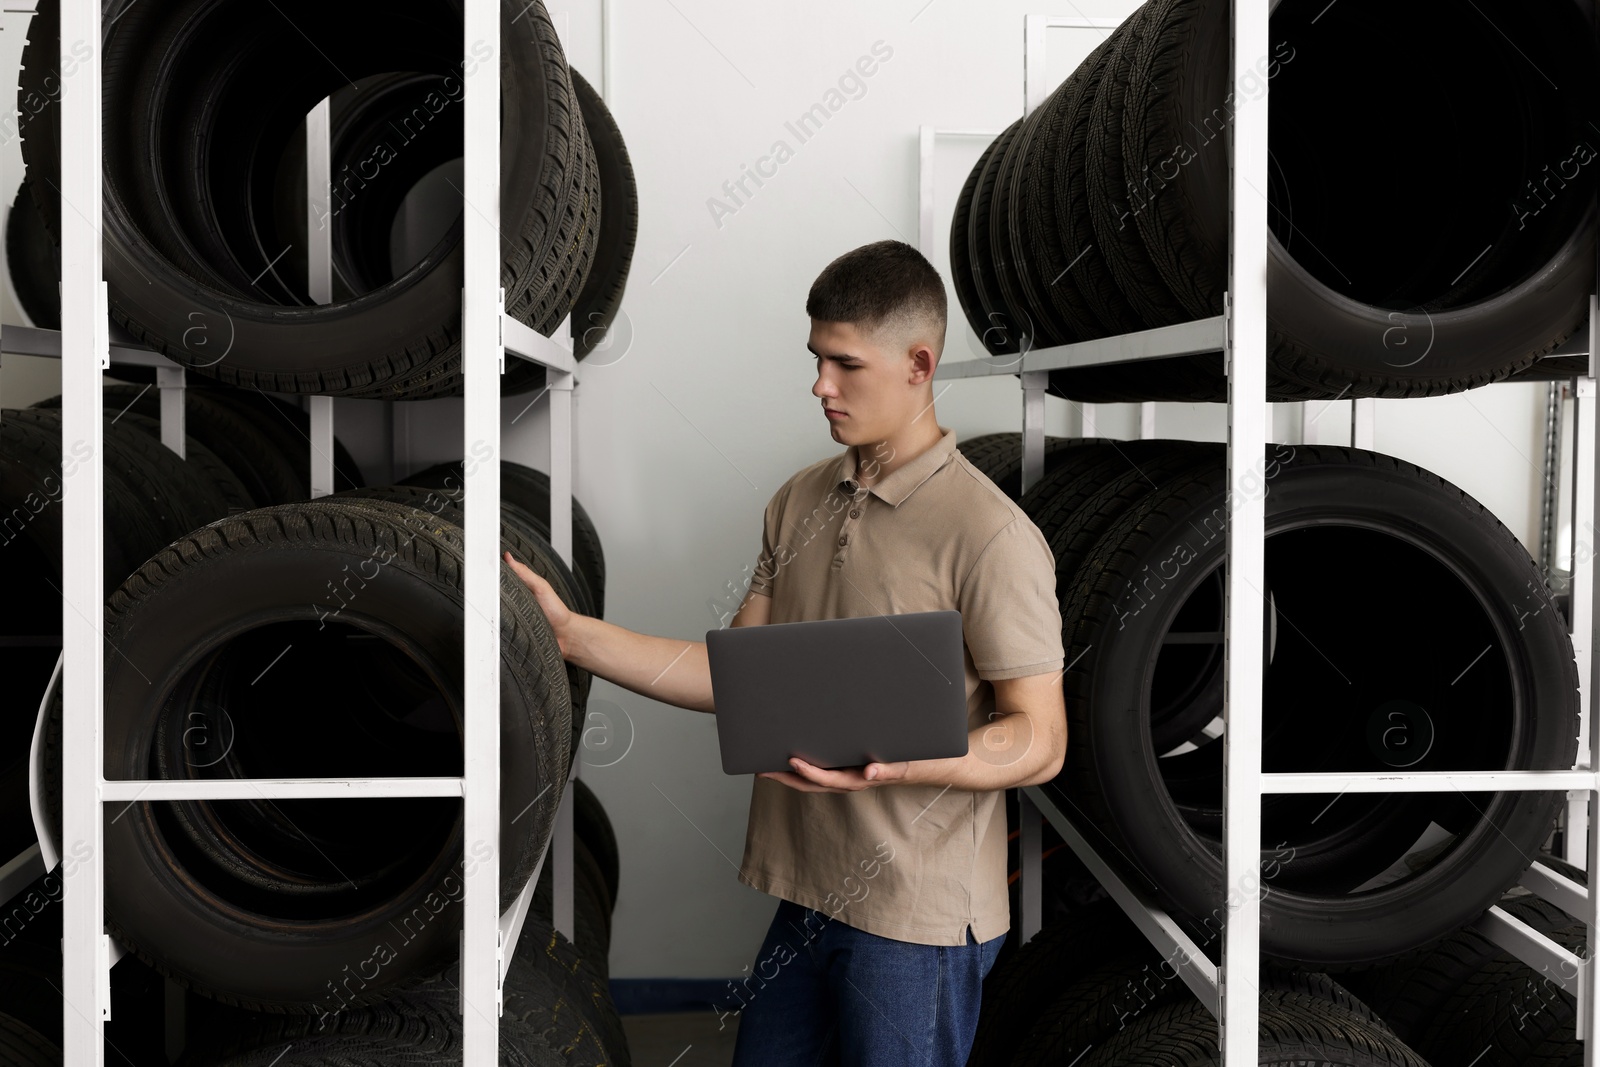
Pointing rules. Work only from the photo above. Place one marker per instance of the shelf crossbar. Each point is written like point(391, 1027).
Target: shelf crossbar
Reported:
point(278, 788)
point(1426, 781)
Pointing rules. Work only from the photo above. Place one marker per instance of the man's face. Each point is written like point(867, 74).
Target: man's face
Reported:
point(875, 389)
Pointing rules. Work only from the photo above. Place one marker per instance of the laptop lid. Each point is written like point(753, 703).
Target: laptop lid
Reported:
point(839, 692)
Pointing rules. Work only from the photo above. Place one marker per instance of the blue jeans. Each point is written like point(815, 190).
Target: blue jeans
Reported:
point(825, 993)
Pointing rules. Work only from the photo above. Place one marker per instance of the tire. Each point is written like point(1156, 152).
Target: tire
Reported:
point(601, 297)
point(1049, 160)
point(30, 960)
point(1017, 989)
point(552, 979)
point(1105, 997)
point(999, 456)
point(32, 480)
point(593, 827)
point(525, 545)
point(253, 456)
point(1112, 312)
point(552, 1002)
point(591, 905)
point(1000, 332)
point(1164, 219)
point(22, 1046)
point(141, 410)
point(204, 462)
point(27, 678)
point(184, 213)
point(960, 250)
point(1012, 277)
point(1088, 290)
point(529, 490)
point(1081, 473)
point(404, 1050)
point(1522, 1018)
point(175, 496)
point(30, 978)
point(1030, 277)
point(1103, 486)
point(1375, 514)
point(1295, 1028)
point(365, 119)
point(1554, 369)
point(1029, 293)
point(594, 879)
point(1464, 989)
point(277, 924)
point(1344, 314)
point(289, 428)
point(1108, 182)
point(34, 262)
point(1067, 887)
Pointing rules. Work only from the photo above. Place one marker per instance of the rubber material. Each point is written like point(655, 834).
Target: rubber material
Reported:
point(34, 262)
point(188, 268)
point(275, 563)
point(1124, 601)
point(529, 490)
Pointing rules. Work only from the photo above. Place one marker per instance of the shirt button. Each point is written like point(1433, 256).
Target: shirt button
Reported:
point(843, 539)
point(855, 513)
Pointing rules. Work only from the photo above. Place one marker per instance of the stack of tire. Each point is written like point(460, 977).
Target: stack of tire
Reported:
point(557, 1011)
point(1461, 999)
point(239, 579)
point(322, 638)
point(1385, 586)
point(596, 877)
point(1105, 210)
point(31, 1009)
point(238, 451)
point(1090, 990)
point(205, 204)
point(1465, 999)
point(558, 1006)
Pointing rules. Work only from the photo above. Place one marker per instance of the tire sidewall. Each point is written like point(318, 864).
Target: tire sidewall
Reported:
point(1471, 876)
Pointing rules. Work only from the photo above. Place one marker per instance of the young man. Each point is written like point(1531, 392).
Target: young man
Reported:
point(892, 877)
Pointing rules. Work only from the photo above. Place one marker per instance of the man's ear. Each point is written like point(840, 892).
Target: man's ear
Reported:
point(923, 363)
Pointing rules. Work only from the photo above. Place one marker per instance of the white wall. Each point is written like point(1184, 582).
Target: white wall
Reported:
point(685, 435)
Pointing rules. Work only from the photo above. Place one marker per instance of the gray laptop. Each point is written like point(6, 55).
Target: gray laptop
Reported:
point(839, 692)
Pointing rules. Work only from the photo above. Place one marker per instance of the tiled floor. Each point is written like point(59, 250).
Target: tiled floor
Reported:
point(680, 1039)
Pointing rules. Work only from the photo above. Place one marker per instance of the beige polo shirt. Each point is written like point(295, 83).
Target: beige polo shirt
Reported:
point(916, 863)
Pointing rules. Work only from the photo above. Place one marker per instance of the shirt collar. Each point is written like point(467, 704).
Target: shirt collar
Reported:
point(902, 482)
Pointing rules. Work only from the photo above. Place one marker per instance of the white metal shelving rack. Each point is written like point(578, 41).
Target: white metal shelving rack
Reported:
point(1240, 334)
point(84, 345)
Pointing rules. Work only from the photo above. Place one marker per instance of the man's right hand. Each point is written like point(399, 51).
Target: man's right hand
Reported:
point(556, 612)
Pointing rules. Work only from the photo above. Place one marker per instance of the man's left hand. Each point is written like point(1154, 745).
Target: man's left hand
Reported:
point(811, 779)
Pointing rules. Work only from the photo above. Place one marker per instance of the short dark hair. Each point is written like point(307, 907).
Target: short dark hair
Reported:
point(886, 289)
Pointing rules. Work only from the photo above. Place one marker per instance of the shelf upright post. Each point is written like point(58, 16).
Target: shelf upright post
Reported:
point(1581, 599)
point(1031, 877)
point(319, 277)
point(1589, 1010)
point(85, 352)
point(482, 360)
point(1363, 412)
point(1245, 344)
point(561, 384)
point(1031, 839)
point(171, 383)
